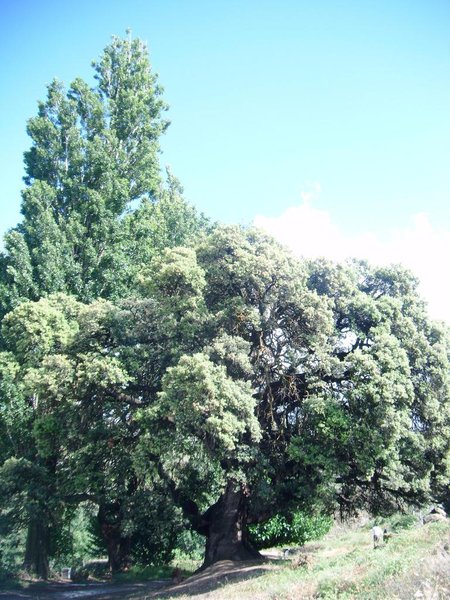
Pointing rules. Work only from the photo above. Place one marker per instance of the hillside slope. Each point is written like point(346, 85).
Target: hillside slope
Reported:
point(414, 564)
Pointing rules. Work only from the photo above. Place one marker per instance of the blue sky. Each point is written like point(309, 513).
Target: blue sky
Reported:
point(327, 121)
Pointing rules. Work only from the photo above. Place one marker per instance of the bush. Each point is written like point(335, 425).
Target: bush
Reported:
point(143, 573)
point(11, 553)
point(399, 522)
point(97, 568)
point(79, 575)
point(189, 546)
point(280, 530)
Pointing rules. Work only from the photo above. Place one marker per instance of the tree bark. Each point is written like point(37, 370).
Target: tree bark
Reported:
point(36, 551)
point(226, 529)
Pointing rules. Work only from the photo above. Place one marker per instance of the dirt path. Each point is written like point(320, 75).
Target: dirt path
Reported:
point(215, 576)
point(94, 591)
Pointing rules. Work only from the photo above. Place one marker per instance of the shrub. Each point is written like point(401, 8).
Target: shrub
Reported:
point(281, 530)
point(189, 545)
point(11, 553)
point(403, 522)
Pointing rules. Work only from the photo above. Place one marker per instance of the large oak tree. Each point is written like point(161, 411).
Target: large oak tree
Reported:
point(296, 385)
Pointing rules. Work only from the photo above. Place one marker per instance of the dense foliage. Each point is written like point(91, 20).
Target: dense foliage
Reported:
point(162, 378)
point(94, 157)
point(296, 531)
point(95, 212)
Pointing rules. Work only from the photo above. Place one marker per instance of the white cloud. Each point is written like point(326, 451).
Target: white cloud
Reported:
point(311, 232)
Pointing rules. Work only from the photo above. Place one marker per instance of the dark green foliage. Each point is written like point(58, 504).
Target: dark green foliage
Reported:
point(241, 376)
point(189, 545)
point(76, 540)
point(398, 522)
point(380, 426)
point(12, 547)
point(233, 369)
point(298, 529)
point(344, 372)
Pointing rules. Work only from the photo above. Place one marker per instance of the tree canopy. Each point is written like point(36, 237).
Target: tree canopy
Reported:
point(174, 374)
point(94, 159)
point(311, 385)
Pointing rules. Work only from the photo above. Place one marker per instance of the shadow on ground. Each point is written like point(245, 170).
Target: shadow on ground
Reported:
point(217, 576)
point(94, 591)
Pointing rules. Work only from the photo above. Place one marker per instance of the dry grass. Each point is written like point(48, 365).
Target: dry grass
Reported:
point(414, 565)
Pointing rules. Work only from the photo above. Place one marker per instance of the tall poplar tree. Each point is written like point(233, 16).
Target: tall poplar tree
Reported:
point(94, 156)
point(95, 211)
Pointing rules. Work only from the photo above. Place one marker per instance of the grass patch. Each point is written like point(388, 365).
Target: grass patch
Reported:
point(138, 573)
point(345, 566)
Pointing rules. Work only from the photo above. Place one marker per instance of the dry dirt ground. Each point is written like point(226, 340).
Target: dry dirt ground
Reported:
point(94, 591)
point(214, 578)
point(208, 580)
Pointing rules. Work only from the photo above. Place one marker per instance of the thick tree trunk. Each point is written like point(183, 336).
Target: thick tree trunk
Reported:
point(226, 531)
point(117, 545)
point(36, 551)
